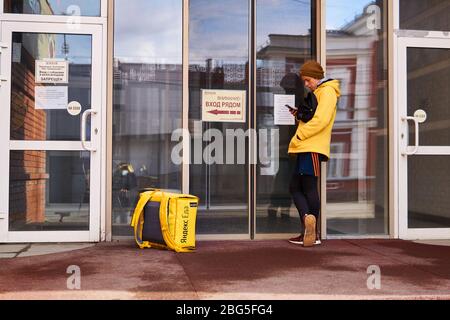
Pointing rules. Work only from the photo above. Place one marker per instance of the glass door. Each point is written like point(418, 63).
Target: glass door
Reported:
point(424, 135)
point(239, 54)
point(218, 114)
point(285, 32)
point(50, 132)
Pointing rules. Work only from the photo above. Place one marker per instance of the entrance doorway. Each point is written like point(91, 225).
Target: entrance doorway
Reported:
point(50, 132)
point(424, 139)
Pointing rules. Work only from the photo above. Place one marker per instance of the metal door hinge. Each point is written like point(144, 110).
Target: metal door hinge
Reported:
point(2, 79)
point(3, 46)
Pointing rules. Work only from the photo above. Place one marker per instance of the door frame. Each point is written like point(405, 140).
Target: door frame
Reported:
point(407, 40)
point(96, 224)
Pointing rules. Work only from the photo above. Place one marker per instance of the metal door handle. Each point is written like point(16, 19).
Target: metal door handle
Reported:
point(416, 146)
point(84, 117)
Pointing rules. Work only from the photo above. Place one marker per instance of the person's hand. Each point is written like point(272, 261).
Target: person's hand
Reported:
point(293, 112)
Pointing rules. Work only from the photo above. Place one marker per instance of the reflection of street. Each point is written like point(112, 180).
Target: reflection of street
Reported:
point(67, 214)
point(233, 219)
point(58, 217)
point(124, 193)
point(361, 210)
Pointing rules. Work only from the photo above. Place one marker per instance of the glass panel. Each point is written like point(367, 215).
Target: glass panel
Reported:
point(357, 181)
point(218, 44)
point(428, 190)
point(432, 15)
point(284, 43)
point(54, 7)
point(39, 101)
point(49, 191)
point(428, 89)
point(147, 102)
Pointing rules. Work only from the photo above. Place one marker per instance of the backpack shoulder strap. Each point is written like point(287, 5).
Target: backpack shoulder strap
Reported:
point(137, 222)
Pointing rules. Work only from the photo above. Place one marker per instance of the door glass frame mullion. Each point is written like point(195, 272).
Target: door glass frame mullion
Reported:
point(253, 147)
point(185, 171)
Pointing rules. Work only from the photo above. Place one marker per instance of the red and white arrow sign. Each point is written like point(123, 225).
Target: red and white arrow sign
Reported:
point(217, 112)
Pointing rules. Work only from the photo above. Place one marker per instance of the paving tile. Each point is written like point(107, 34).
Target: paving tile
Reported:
point(12, 248)
point(43, 249)
point(445, 243)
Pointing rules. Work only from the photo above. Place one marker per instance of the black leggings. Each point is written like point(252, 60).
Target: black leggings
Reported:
point(305, 195)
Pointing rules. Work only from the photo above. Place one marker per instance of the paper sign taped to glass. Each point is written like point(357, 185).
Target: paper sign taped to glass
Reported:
point(51, 98)
point(282, 115)
point(224, 106)
point(52, 71)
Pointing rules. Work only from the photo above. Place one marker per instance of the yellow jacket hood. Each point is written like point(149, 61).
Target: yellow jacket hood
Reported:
point(332, 84)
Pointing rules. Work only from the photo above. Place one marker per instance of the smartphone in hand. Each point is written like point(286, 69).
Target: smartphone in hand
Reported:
point(291, 109)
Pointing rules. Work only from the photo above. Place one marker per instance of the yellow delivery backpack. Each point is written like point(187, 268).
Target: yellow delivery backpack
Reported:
point(165, 220)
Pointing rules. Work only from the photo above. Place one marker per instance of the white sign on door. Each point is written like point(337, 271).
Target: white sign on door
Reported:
point(282, 115)
point(224, 106)
point(51, 98)
point(52, 71)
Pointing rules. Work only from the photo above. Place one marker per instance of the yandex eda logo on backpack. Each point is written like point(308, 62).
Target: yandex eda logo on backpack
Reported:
point(185, 218)
point(190, 211)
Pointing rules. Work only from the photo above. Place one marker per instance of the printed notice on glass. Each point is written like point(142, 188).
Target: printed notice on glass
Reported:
point(51, 98)
point(52, 71)
point(224, 106)
point(283, 116)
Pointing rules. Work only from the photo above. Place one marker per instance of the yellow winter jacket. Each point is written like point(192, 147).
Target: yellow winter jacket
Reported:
point(315, 136)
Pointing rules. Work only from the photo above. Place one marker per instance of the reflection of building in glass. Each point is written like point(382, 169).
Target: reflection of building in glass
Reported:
point(35, 181)
point(281, 54)
point(147, 111)
point(357, 176)
point(221, 186)
point(234, 72)
point(53, 7)
point(352, 59)
point(28, 6)
point(28, 169)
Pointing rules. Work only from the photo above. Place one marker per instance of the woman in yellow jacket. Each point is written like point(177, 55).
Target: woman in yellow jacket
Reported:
point(311, 146)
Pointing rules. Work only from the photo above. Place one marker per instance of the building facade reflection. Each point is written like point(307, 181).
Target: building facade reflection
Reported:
point(148, 108)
